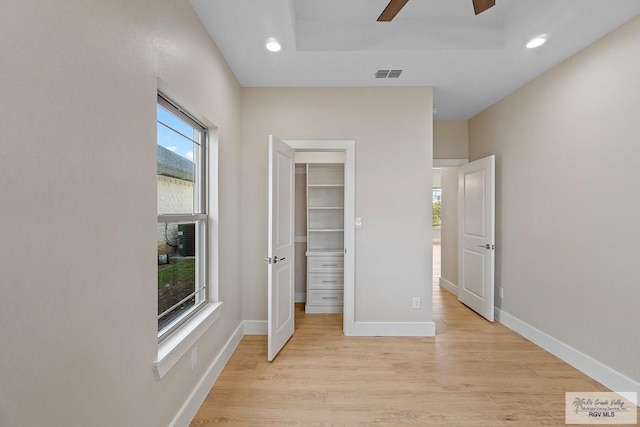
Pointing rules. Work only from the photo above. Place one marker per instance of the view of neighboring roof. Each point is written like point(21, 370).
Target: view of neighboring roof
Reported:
point(174, 165)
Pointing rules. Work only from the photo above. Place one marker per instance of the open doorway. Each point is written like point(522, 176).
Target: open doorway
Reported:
point(436, 223)
point(281, 237)
point(345, 149)
point(319, 227)
point(444, 195)
point(465, 203)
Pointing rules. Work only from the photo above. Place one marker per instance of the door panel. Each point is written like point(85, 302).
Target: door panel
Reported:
point(284, 310)
point(474, 271)
point(476, 234)
point(281, 245)
point(284, 196)
point(474, 182)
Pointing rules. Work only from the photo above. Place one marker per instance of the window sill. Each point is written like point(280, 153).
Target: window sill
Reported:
point(174, 347)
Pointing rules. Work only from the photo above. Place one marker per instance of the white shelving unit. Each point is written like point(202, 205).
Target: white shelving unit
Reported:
point(325, 237)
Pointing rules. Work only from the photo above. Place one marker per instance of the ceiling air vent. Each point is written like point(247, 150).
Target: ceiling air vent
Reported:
point(388, 74)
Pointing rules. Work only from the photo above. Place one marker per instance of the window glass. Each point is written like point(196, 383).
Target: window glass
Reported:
point(436, 201)
point(182, 220)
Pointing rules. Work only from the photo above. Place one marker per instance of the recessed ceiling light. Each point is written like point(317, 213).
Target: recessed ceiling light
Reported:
point(273, 45)
point(537, 41)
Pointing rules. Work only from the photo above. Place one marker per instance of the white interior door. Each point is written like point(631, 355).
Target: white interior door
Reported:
point(281, 244)
point(476, 235)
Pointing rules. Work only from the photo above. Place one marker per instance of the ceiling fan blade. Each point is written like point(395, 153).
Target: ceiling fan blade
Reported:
point(391, 10)
point(480, 6)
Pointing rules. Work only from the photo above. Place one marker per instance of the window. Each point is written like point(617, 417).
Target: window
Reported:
point(182, 217)
point(436, 201)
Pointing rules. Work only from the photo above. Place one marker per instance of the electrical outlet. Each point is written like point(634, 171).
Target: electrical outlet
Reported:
point(194, 358)
point(358, 223)
point(501, 292)
point(416, 302)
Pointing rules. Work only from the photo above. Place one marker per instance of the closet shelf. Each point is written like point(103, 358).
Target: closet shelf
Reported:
point(325, 238)
point(325, 208)
point(326, 252)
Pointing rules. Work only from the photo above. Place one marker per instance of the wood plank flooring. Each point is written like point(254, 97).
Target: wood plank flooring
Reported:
point(473, 373)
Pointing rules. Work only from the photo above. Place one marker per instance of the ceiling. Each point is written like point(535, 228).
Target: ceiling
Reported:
point(472, 61)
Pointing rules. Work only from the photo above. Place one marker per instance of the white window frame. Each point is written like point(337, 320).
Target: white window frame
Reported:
point(182, 333)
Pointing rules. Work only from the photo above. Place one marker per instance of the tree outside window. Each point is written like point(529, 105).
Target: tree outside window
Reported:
point(436, 202)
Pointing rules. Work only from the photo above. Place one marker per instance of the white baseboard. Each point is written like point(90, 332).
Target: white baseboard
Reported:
point(447, 285)
point(591, 367)
point(255, 327)
point(199, 393)
point(301, 297)
point(393, 329)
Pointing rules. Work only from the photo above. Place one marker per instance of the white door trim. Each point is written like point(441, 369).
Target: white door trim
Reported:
point(349, 147)
point(444, 163)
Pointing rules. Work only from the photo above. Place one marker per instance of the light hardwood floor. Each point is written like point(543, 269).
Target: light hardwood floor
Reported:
point(473, 373)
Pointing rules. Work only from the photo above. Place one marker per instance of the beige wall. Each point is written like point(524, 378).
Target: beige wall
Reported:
point(301, 231)
point(449, 231)
point(450, 139)
point(567, 239)
point(437, 178)
point(301, 201)
point(78, 305)
point(393, 134)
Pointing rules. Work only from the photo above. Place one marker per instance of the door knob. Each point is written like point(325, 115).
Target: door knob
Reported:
point(276, 259)
point(487, 246)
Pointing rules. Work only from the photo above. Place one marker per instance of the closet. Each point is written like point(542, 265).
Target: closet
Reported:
point(325, 237)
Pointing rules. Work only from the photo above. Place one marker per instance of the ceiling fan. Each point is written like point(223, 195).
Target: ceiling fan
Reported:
point(395, 6)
